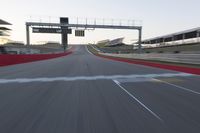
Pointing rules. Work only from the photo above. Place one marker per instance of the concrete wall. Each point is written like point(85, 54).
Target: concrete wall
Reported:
point(12, 50)
point(179, 58)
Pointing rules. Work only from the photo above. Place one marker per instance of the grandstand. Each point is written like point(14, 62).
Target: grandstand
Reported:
point(183, 37)
point(187, 41)
point(4, 31)
point(31, 49)
point(111, 43)
point(16, 47)
point(103, 42)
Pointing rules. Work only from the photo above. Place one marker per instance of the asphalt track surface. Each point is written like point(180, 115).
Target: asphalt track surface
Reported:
point(82, 93)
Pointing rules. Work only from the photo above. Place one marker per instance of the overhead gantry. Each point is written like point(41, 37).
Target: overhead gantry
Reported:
point(64, 27)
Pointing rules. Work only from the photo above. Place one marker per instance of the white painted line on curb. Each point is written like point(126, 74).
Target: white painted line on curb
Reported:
point(88, 50)
point(144, 106)
point(180, 87)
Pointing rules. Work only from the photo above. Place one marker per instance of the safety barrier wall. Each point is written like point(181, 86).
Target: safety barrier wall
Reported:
point(179, 58)
point(152, 64)
point(128, 58)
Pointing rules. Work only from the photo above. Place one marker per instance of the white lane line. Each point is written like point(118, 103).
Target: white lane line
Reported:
point(144, 106)
point(180, 87)
point(91, 78)
point(88, 50)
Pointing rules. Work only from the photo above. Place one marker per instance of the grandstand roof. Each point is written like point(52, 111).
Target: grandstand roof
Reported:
point(103, 41)
point(2, 22)
point(115, 42)
point(173, 35)
point(4, 28)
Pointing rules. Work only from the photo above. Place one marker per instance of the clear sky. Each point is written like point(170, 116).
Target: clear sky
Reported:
point(158, 17)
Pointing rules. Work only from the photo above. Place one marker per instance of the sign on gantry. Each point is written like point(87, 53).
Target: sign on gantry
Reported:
point(51, 30)
point(79, 33)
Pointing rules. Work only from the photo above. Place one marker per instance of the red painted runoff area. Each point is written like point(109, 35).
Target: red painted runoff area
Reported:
point(158, 65)
point(7, 59)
